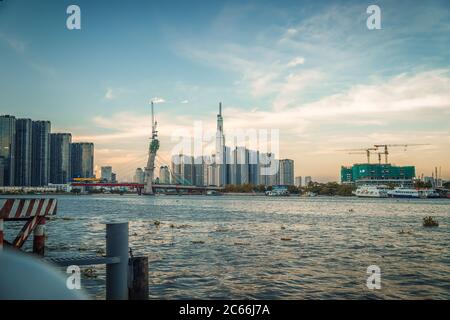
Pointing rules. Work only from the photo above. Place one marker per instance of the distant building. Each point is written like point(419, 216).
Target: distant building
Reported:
point(60, 158)
point(298, 181)
point(183, 169)
point(24, 128)
point(242, 165)
point(366, 173)
point(106, 173)
point(199, 171)
point(139, 176)
point(82, 154)
point(164, 175)
point(40, 163)
point(287, 172)
point(308, 180)
point(113, 177)
point(269, 169)
point(253, 167)
point(7, 150)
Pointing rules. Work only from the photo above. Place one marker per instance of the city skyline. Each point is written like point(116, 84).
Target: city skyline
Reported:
point(312, 70)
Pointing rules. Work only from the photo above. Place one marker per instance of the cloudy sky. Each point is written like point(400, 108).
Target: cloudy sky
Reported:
point(311, 69)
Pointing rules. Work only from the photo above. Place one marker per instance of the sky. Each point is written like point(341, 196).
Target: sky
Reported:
point(311, 69)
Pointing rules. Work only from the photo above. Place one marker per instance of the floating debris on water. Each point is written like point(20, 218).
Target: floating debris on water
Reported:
point(405, 232)
point(82, 248)
point(198, 242)
point(283, 228)
point(181, 226)
point(237, 243)
point(100, 251)
point(221, 229)
point(156, 223)
point(286, 239)
point(351, 210)
point(67, 218)
point(90, 273)
point(430, 222)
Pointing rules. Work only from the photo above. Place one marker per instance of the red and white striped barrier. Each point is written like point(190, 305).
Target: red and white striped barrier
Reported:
point(33, 211)
point(20, 209)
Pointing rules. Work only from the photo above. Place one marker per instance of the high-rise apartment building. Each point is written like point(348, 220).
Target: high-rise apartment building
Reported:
point(40, 159)
point(164, 175)
point(139, 176)
point(287, 172)
point(308, 180)
point(106, 173)
point(24, 129)
point(298, 181)
point(82, 154)
point(60, 158)
point(7, 150)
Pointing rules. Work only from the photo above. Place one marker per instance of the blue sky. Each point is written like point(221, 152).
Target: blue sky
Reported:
point(309, 68)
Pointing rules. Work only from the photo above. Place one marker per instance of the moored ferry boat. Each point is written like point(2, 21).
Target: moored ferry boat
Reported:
point(400, 192)
point(371, 192)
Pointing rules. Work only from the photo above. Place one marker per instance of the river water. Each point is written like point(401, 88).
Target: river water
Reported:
point(251, 247)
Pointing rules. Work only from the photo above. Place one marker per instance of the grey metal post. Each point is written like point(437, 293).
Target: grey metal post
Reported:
point(117, 273)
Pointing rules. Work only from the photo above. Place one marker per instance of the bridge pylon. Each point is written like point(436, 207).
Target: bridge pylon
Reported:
point(153, 148)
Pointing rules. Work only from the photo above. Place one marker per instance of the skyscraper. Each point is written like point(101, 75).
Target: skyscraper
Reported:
point(139, 176)
point(40, 158)
point(242, 166)
point(164, 175)
point(106, 173)
point(298, 181)
point(24, 129)
point(253, 170)
point(220, 159)
point(287, 172)
point(199, 171)
point(308, 180)
point(7, 149)
point(82, 154)
point(183, 169)
point(268, 169)
point(60, 158)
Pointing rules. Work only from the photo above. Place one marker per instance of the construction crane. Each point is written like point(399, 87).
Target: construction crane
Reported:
point(386, 151)
point(378, 153)
point(366, 152)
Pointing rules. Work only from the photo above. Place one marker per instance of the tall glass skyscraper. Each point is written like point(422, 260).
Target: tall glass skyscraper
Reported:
point(60, 156)
point(82, 154)
point(287, 172)
point(7, 149)
point(40, 164)
point(24, 129)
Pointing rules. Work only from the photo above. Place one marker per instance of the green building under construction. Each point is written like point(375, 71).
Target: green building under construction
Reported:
point(386, 174)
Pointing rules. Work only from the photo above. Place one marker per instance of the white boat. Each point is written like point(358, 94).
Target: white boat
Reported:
point(277, 193)
point(401, 192)
point(371, 192)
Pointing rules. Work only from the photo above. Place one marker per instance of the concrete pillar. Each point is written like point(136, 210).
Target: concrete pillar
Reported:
point(117, 273)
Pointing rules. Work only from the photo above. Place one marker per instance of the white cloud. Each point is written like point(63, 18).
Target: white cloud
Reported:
point(157, 100)
point(184, 102)
point(296, 61)
point(109, 95)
